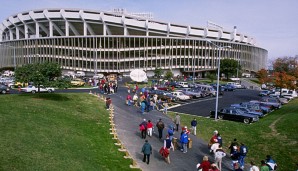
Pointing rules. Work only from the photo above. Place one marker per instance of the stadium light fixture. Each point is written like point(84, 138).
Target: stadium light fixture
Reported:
point(218, 73)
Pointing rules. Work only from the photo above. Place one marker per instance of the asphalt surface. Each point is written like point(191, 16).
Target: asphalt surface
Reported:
point(203, 106)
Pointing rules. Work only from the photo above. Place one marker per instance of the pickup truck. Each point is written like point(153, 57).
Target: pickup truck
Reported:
point(33, 89)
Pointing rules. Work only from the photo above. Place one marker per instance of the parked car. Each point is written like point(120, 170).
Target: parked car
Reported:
point(163, 95)
point(264, 107)
point(4, 89)
point(183, 84)
point(264, 93)
point(180, 96)
point(195, 93)
point(210, 91)
point(228, 87)
point(234, 114)
point(77, 82)
point(271, 101)
point(235, 84)
point(33, 89)
point(251, 106)
point(251, 112)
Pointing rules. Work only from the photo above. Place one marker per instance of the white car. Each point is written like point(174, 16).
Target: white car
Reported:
point(183, 84)
point(33, 89)
point(179, 95)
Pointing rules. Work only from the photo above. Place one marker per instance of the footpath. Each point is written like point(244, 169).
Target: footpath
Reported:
point(127, 120)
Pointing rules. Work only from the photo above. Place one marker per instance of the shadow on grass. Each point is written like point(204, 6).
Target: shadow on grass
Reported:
point(48, 96)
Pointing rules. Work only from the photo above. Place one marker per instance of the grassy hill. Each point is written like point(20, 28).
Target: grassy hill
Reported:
point(56, 132)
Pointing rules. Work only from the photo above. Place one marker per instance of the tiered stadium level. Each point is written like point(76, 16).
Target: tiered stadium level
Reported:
point(97, 41)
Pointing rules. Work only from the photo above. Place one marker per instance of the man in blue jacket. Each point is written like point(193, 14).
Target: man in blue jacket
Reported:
point(242, 155)
point(184, 141)
point(194, 126)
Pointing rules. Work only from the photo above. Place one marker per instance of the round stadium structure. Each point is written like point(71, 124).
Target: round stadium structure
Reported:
point(118, 42)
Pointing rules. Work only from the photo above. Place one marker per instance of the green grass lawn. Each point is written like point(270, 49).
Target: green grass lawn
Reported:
point(275, 134)
point(56, 132)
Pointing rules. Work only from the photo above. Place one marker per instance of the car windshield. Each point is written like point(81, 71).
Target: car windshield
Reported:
point(239, 112)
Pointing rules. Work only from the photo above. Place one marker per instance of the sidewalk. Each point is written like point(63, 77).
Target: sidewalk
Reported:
point(127, 120)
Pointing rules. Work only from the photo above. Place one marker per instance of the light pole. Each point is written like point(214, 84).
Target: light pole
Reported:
point(14, 54)
point(218, 74)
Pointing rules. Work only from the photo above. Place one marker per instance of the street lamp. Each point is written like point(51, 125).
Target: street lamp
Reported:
point(14, 54)
point(218, 74)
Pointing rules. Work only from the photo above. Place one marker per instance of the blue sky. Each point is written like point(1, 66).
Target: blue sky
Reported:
point(273, 23)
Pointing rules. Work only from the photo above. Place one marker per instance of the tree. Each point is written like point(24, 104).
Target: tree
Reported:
point(286, 72)
point(39, 74)
point(158, 72)
point(169, 75)
point(263, 76)
point(211, 77)
point(228, 67)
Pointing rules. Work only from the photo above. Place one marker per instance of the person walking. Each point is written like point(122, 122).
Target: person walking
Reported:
point(184, 141)
point(253, 167)
point(108, 103)
point(219, 139)
point(219, 154)
point(146, 150)
point(149, 128)
point(271, 163)
point(242, 154)
point(169, 145)
point(233, 145)
point(177, 121)
point(194, 126)
point(143, 129)
point(160, 126)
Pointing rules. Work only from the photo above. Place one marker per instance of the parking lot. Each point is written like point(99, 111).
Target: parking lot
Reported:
point(203, 106)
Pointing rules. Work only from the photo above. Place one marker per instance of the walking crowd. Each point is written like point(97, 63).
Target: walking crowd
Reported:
point(238, 151)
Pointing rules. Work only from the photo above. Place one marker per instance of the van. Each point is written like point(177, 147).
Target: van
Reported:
point(80, 74)
point(286, 92)
point(235, 84)
point(208, 89)
point(183, 84)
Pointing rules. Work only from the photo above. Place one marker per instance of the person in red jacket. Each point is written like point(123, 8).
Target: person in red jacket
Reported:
point(205, 164)
point(149, 128)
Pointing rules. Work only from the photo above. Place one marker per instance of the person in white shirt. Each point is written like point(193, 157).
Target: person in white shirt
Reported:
point(219, 154)
point(253, 167)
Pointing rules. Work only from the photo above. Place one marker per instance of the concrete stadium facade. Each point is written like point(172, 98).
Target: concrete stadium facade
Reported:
point(109, 42)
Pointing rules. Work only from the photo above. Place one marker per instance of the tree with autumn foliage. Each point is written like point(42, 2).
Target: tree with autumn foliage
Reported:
point(263, 76)
point(286, 72)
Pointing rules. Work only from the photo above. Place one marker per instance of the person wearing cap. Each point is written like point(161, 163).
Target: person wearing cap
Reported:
point(169, 145)
point(143, 128)
point(177, 121)
point(193, 124)
point(160, 126)
point(213, 139)
point(146, 150)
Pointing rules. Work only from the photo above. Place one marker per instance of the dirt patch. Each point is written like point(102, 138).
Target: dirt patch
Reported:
point(272, 127)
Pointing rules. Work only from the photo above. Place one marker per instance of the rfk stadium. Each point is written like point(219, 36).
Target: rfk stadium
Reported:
point(119, 42)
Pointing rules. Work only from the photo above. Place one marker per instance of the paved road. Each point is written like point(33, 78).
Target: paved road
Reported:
point(203, 106)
